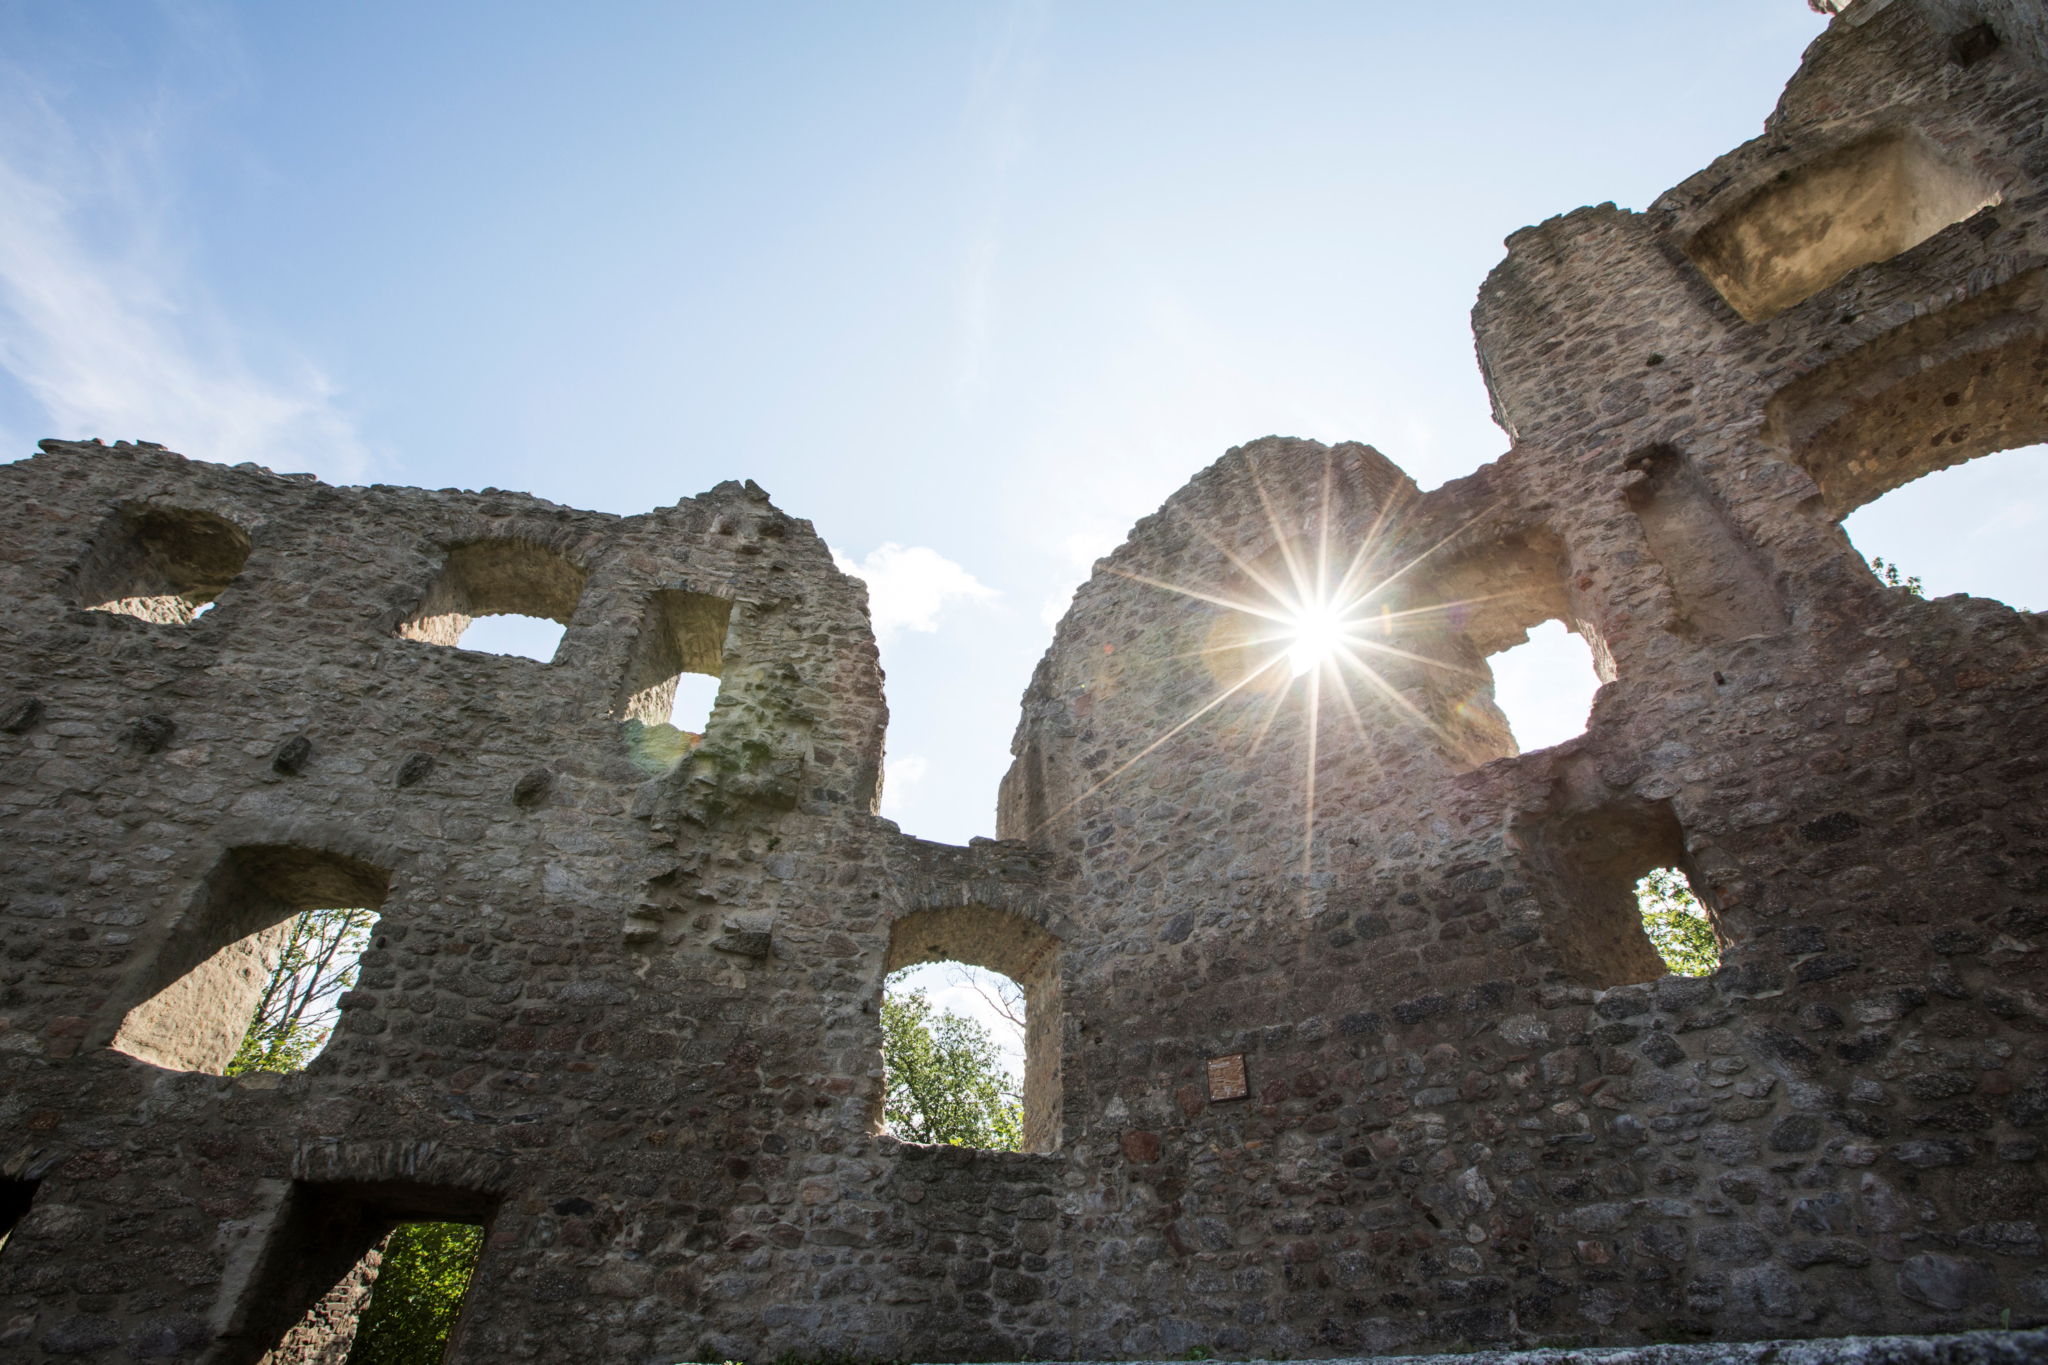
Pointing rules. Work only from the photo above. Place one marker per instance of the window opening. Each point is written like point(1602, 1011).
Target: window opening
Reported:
point(15, 1198)
point(672, 675)
point(524, 637)
point(375, 1273)
point(1605, 869)
point(993, 968)
point(1979, 528)
point(164, 565)
point(1856, 206)
point(250, 976)
point(695, 693)
point(1722, 587)
point(319, 957)
point(1677, 924)
point(491, 578)
point(953, 1056)
point(1545, 687)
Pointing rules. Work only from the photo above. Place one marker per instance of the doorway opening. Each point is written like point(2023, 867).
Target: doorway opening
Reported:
point(371, 1272)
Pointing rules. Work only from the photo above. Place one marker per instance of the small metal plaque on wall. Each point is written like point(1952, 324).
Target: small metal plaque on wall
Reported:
point(1226, 1077)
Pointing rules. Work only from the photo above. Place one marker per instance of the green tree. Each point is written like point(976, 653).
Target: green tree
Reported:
point(418, 1294)
point(319, 961)
point(1676, 923)
point(945, 1079)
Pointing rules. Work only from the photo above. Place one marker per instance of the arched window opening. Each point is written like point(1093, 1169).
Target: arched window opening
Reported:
point(249, 977)
point(678, 655)
point(970, 992)
point(1620, 902)
point(953, 1056)
point(1979, 528)
point(499, 578)
point(1545, 687)
point(374, 1273)
point(165, 565)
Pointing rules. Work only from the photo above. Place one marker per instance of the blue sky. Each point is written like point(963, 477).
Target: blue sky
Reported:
point(971, 286)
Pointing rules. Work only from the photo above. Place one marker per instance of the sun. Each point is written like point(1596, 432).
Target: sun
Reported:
point(1312, 634)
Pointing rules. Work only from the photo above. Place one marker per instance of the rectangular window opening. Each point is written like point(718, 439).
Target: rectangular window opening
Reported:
point(1855, 206)
point(678, 657)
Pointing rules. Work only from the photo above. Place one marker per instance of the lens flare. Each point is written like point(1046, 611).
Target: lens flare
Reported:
point(1313, 635)
point(1327, 617)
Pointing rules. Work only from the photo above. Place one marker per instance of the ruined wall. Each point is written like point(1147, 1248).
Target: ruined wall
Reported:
point(621, 1000)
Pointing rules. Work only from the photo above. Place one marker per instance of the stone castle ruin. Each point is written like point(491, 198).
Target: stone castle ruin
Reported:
point(1408, 1079)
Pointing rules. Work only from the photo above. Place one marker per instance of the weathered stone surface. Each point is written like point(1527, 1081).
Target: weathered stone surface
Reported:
point(620, 1001)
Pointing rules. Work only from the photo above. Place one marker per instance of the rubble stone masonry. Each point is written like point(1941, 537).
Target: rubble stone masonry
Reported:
point(621, 1004)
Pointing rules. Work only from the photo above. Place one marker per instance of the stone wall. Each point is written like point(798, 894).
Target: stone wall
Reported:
point(621, 1002)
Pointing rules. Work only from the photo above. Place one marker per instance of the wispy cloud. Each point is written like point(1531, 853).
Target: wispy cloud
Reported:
point(104, 328)
point(909, 587)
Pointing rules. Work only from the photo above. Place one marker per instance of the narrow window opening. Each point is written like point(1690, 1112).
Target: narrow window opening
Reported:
point(1856, 206)
point(499, 578)
point(953, 1056)
point(250, 977)
point(373, 1273)
point(672, 676)
point(1545, 687)
point(1604, 872)
point(998, 974)
point(1677, 924)
point(15, 1198)
point(1979, 528)
point(165, 565)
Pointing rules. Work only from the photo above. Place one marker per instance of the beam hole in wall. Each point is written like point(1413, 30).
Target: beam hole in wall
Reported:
point(678, 656)
point(160, 564)
point(1855, 206)
point(248, 976)
point(1545, 687)
point(1590, 861)
point(316, 1289)
point(496, 578)
point(1011, 946)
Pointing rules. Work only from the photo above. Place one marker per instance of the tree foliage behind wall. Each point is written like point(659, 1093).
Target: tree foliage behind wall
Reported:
point(319, 961)
point(418, 1294)
point(1677, 924)
point(946, 1082)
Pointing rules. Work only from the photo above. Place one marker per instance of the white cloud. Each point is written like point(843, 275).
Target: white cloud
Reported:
point(908, 588)
point(104, 331)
